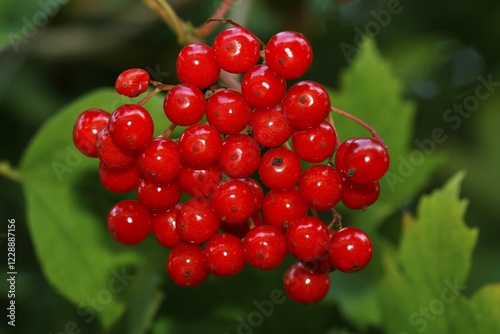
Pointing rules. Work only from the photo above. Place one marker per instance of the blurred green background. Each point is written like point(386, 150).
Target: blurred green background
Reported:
point(437, 50)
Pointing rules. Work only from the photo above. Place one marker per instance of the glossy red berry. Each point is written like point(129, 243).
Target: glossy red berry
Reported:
point(281, 208)
point(186, 265)
point(131, 127)
point(236, 50)
point(307, 238)
point(289, 54)
point(321, 187)
point(111, 154)
point(304, 286)
point(258, 193)
point(306, 105)
point(159, 197)
point(119, 180)
point(196, 222)
point(358, 196)
point(365, 160)
point(232, 201)
point(228, 112)
point(184, 105)
point(199, 182)
point(160, 161)
point(264, 247)
point(129, 222)
point(163, 228)
point(240, 156)
point(269, 127)
point(200, 146)
point(196, 66)
point(262, 88)
point(88, 124)
point(224, 255)
point(280, 169)
point(350, 250)
point(322, 264)
point(132, 82)
point(315, 144)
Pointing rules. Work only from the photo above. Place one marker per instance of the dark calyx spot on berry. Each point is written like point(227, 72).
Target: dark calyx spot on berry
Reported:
point(234, 156)
point(229, 47)
point(292, 244)
point(322, 144)
point(256, 93)
point(281, 61)
point(217, 113)
point(351, 172)
point(195, 149)
point(153, 174)
point(302, 100)
point(277, 162)
point(260, 255)
point(355, 266)
point(285, 224)
point(201, 178)
point(180, 100)
point(187, 273)
point(234, 209)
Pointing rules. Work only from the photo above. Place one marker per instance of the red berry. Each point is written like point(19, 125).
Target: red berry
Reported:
point(131, 127)
point(196, 66)
point(232, 201)
point(87, 126)
point(236, 50)
point(264, 247)
point(262, 88)
point(281, 208)
point(315, 144)
point(160, 161)
point(199, 182)
point(269, 127)
point(159, 197)
point(200, 146)
point(118, 180)
point(350, 250)
point(358, 196)
point(164, 230)
point(224, 255)
point(111, 154)
point(288, 54)
point(196, 222)
point(304, 286)
point(184, 105)
point(321, 187)
point(132, 82)
point(258, 193)
point(365, 160)
point(228, 112)
point(280, 169)
point(306, 105)
point(129, 222)
point(186, 265)
point(240, 156)
point(307, 238)
point(323, 263)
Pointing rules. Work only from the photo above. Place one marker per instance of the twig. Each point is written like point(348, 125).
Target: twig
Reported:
point(9, 172)
point(360, 122)
point(221, 11)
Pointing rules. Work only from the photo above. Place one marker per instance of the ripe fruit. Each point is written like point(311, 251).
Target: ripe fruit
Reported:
point(304, 286)
point(132, 82)
point(119, 180)
point(262, 88)
point(240, 156)
point(307, 238)
point(350, 250)
point(315, 144)
point(196, 66)
point(236, 50)
point(200, 146)
point(129, 222)
point(160, 161)
point(281, 208)
point(279, 169)
point(232, 201)
point(364, 160)
point(288, 54)
point(87, 126)
point(196, 223)
point(269, 127)
point(111, 154)
point(163, 228)
point(199, 182)
point(321, 187)
point(228, 112)
point(131, 127)
point(264, 247)
point(159, 197)
point(357, 196)
point(184, 105)
point(224, 255)
point(186, 266)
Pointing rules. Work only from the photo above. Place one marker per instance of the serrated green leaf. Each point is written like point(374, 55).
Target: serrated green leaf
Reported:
point(423, 287)
point(67, 207)
point(370, 91)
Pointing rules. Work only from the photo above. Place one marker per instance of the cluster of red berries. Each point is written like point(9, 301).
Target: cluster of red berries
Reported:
point(223, 164)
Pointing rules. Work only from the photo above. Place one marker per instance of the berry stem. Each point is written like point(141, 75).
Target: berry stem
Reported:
point(170, 17)
point(314, 213)
point(360, 122)
point(207, 28)
point(9, 172)
point(227, 20)
point(336, 220)
point(150, 95)
point(337, 138)
point(287, 145)
point(168, 131)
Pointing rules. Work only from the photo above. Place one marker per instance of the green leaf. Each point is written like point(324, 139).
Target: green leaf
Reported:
point(429, 273)
point(67, 208)
point(370, 91)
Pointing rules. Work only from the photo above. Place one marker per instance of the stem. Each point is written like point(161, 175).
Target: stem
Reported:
point(314, 213)
point(170, 17)
point(360, 122)
point(336, 220)
point(9, 172)
point(337, 138)
point(287, 145)
point(150, 95)
point(168, 131)
point(206, 29)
